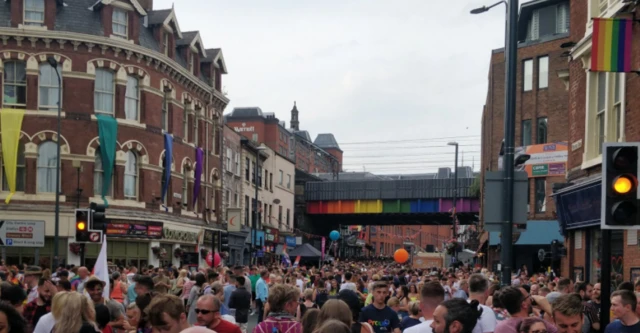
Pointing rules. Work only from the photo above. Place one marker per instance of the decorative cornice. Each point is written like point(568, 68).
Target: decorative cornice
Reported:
point(150, 57)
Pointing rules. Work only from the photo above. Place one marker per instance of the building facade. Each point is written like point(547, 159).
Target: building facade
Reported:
point(127, 61)
point(541, 126)
point(602, 108)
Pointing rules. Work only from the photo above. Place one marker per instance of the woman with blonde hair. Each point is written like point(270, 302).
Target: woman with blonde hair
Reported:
point(307, 304)
point(74, 313)
point(333, 326)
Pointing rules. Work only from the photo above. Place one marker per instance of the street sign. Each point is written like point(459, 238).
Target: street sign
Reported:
point(21, 233)
point(494, 203)
point(95, 237)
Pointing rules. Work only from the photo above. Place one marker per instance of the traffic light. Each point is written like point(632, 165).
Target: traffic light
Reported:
point(98, 219)
point(82, 225)
point(557, 250)
point(224, 241)
point(620, 186)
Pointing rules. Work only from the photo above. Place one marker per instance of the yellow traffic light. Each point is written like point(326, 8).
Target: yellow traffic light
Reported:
point(623, 184)
point(82, 226)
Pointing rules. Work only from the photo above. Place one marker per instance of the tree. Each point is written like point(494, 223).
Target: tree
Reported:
point(474, 189)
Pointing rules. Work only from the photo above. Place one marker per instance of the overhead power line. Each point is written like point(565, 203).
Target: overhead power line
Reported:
point(407, 147)
point(410, 140)
point(469, 153)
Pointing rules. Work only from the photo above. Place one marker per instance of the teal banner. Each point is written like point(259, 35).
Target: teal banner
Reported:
point(108, 131)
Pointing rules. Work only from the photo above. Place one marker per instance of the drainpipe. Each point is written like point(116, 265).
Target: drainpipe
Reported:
point(206, 163)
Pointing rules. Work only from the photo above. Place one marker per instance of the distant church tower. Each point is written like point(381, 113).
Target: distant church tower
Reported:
point(295, 124)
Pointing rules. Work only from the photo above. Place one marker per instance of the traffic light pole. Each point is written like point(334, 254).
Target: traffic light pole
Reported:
point(511, 57)
point(605, 278)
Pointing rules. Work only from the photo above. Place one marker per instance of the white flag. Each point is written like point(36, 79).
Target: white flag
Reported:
point(101, 269)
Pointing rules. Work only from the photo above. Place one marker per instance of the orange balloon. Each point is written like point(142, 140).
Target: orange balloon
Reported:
point(401, 256)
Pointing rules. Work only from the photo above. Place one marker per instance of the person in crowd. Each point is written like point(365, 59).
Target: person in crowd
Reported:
point(456, 316)
point(240, 301)
point(63, 285)
point(623, 306)
point(227, 289)
point(307, 304)
point(10, 320)
point(595, 298)
point(478, 288)
point(334, 287)
point(348, 284)
point(519, 305)
point(32, 275)
point(133, 318)
point(208, 315)
point(144, 285)
point(402, 293)
point(262, 294)
point(414, 316)
point(161, 282)
point(532, 325)
point(320, 293)
point(282, 306)
point(77, 282)
point(95, 287)
point(382, 318)
point(589, 323)
point(567, 313)
point(338, 310)
point(310, 320)
point(535, 289)
point(166, 314)
point(40, 306)
point(431, 295)
point(102, 318)
point(14, 295)
point(414, 295)
point(462, 291)
point(73, 313)
point(196, 291)
point(118, 289)
point(332, 326)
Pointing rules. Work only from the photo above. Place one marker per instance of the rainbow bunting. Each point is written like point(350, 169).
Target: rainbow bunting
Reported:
point(611, 45)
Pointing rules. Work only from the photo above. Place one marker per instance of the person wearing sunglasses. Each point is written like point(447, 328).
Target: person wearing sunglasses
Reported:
point(208, 315)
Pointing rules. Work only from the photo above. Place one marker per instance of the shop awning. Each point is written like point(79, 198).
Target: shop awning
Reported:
point(537, 233)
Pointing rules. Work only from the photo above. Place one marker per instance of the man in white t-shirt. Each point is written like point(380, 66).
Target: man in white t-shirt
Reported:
point(45, 324)
point(431, 295)
point(347, 282)
point(299, 282)
point(479, 291)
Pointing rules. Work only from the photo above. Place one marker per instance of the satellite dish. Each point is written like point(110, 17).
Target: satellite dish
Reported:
point(541, 254)
point(276, 201)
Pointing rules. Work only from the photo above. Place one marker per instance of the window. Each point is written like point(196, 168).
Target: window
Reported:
point(602, 109)
point(49, 88)
point(98, 176)
point(104, 93)
point(543, 72)
point(247, 165)
point(542, 130)
point(235, 200)
point(540, 195)
point(165, 112)
point(288, 217)
point(266, 179)
point(280, 182)
point(185, 187)
point(526, 133)
point(259, 176)
point(254, 137)
point(253, 172)
point(165, 43)
point(271, 181)
point(131, 176)
point(246, 210)
point(228, 159)
point(15, 84)
point(279, 215)
point(548, 21)
point(120, 22)
point(47, 159)
point(617, 106)
point(20, 172)
point(288, 181)
point(527, 81)
point(34, 12)
point(131, 98)
point(191, 61)
point(236, 160)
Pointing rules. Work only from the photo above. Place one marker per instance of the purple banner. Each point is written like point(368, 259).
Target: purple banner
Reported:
point(198, 174)
point(323, 243)
point(557, 168)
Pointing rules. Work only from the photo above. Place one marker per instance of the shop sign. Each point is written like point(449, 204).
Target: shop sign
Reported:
point(134, 229)
point(290, 241)
point(179, 235)
point(21, 233)
point(271, 235)
point(208, 236)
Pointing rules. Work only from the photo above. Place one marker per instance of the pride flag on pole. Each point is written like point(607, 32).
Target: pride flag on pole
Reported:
point(101, 268)
point(611, 45)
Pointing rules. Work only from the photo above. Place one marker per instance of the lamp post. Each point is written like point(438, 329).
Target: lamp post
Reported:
point(56, 238)
point(455, 197)
point(511, 60)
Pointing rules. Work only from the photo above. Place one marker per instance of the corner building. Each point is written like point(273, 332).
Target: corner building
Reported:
point(122, 59)
point(603, 107)
point(542, 82)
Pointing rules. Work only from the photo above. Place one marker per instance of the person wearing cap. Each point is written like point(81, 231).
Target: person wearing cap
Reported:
point(95, 287)
point(31, 276)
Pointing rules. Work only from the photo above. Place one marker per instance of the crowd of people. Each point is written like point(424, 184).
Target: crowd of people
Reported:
point(344, 296)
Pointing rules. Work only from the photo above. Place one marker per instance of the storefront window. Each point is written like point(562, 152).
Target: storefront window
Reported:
point(119, 253)
point(617, 251)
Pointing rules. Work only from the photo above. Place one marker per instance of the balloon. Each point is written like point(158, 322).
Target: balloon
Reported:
point(401, 256)
point(334, 235)
point(216, 259)
point(213, 259)
point(209, 259)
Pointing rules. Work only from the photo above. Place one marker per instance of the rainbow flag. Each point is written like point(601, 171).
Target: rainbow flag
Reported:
point(611, 45)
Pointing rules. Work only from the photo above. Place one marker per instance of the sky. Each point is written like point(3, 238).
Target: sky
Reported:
point(394, 81)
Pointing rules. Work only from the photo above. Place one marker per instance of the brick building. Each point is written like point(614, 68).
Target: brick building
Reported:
point(603, 107)
point(541, 125)
point(312, 156)
point(126, 60)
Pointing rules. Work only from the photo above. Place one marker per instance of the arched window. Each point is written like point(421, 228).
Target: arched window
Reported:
point(185, 187)
point(132, 97)
point(20, 172)
point(131, 177)
point(47, 158)
point(98, 176)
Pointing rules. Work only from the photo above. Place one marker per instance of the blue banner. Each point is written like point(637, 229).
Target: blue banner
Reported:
point(290, 241)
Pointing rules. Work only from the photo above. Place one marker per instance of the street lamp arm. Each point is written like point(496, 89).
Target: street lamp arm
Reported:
point(487, 8)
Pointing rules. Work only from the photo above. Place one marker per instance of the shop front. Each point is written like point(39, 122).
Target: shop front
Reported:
point(128, 243)
point(578, 209)
point(183, 242)
point(40, 256)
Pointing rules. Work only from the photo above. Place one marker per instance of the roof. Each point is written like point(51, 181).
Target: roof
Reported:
point(191, 38)
point(303, 134)
point(350, 176)
point(326, 140)
point(134, 3)
point(158, 16)
point(305, 250)
point(246, 112)
point(537, 233)
point(215, 56)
